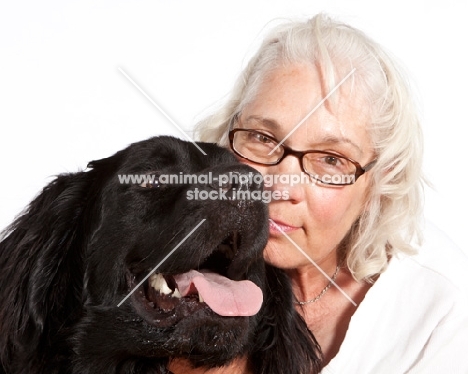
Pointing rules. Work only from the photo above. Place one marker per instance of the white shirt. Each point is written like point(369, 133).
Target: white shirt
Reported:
point(414, 319)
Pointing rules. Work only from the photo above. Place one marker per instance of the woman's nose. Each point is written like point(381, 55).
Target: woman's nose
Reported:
point(286, 177)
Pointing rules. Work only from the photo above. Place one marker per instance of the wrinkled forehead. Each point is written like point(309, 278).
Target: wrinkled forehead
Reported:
point(293, 102)
point(335, 86)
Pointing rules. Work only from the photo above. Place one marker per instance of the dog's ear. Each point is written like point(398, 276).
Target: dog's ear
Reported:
point(41, 266)
point(285, 344)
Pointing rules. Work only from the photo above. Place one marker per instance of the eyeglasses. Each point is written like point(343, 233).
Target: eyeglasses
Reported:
point(325, 167)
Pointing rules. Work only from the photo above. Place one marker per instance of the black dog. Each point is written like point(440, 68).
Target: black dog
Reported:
point(88, 240)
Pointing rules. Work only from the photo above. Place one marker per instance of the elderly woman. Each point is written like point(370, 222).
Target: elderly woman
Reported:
point(322, 99)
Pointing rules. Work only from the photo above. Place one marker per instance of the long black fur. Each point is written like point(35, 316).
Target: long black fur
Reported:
point(82, 243)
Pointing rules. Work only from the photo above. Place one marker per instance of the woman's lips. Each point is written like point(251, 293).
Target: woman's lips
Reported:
point(277, 227)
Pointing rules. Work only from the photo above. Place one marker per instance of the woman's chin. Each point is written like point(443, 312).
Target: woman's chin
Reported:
point(285, 258)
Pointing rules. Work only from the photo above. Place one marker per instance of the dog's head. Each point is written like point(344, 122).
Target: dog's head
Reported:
point(152, 253)
point(188, 253)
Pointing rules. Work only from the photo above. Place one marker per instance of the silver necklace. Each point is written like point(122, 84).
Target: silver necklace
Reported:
point(327, 287)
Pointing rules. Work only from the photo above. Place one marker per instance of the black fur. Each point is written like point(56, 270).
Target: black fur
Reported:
point(86, 240)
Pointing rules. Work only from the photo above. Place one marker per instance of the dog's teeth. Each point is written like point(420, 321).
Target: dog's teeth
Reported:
point(176, 294)
point(200, 298)
point(158, 282)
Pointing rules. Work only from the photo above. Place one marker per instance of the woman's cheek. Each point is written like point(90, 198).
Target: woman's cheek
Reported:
point(341, 206)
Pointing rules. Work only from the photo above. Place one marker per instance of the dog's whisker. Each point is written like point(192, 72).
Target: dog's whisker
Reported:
point(167, 244)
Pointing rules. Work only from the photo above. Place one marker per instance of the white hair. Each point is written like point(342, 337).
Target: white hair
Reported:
point(391, 217)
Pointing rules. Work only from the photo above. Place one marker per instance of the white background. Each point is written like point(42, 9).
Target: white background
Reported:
point(64, 102)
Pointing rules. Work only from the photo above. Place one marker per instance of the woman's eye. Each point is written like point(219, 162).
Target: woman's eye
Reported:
point(332, 161)
point(261, 138)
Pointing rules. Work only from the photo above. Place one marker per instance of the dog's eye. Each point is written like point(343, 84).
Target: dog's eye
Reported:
point(151, 181)
point(147, 184)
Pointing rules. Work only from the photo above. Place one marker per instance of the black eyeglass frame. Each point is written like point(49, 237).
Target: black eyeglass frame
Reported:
point(360, 170)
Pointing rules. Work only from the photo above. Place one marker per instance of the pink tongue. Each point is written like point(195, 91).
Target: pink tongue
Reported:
point(224, 296)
